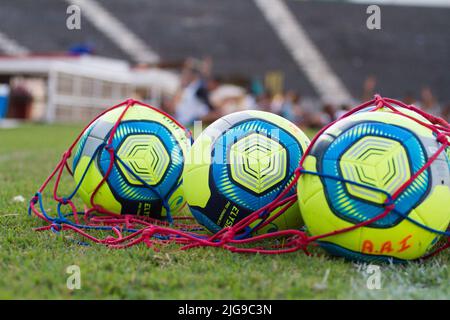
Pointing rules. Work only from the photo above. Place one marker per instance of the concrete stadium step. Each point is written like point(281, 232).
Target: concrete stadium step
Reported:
point(233, 32)
point(41, 27)
point(116, 31)
point(410, 51)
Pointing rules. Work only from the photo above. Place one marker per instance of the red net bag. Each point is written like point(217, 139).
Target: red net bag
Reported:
point(380, 208)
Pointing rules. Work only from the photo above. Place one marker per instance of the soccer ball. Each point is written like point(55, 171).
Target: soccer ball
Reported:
point(409, 113)
point(146, 175)
point(447, 151)
point(380, 150)
point(400, 109)
point(241, 163)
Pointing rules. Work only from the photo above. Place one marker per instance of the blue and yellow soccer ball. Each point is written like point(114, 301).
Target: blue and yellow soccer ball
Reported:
point(241, 163)
point(447, 153)
point(379, 151)
point(146, 176)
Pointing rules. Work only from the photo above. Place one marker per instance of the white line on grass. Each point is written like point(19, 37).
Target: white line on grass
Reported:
point(13, 156)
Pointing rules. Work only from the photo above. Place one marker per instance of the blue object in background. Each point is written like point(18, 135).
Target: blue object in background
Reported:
point(4, 95)
point(257, 87)
point(82, 48)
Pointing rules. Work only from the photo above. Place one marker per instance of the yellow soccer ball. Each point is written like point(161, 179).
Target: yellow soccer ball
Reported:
point(146, 176)
point(380, 151)
point(241, 163)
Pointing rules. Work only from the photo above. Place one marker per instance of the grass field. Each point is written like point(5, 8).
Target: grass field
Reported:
point(33, 265)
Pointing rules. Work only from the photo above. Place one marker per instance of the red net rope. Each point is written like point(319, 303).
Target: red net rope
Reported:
point(124, 231)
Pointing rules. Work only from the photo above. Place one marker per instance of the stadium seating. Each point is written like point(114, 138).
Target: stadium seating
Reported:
point(409, 52)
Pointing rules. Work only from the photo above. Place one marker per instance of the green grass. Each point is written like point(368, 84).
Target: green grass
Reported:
point(33, 265)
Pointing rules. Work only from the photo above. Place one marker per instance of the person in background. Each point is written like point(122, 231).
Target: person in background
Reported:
point(191, 102)
point(264, 102)
point(291, 108)
point(428, 102)
point(207, 86)
point(369, 88)
point(343, 109)
point(446, 112)
point(203, 93)
point(329, 113)
point(278, 100)
point(20, 102)
point(319, 119)
point(409, 99)
point(166, 104)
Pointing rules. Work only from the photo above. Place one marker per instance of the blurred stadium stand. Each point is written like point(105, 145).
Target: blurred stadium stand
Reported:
point(411, 51)
point(40, 26)
point(233, 32)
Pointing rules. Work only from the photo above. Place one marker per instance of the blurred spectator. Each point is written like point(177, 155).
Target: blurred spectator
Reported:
point(343, 109)
point(409, 99)
point(191, 103)
point(277, 103)
point(166, 105)
point(20, 101)
point(314, 120)
point(229, 98)
point(205, 97)
point(329, 113)
point(446, 112)
point(319, 119)
point(428, 102)
point(207, 85)
point(369, 88)
point(257, 87)
point(264, 102)
point(291, 108)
